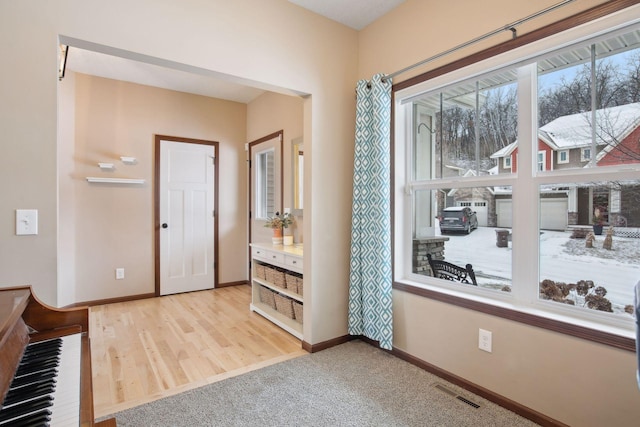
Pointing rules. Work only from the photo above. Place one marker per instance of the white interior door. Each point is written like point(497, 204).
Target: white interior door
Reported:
point(187, 217)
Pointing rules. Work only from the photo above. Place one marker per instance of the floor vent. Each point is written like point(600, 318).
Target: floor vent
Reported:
point(450, 392)
point(468, 402)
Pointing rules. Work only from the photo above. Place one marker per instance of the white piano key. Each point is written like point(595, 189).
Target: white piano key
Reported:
point(66, 397)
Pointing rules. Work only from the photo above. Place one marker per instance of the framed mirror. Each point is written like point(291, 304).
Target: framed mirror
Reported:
point(298, 172)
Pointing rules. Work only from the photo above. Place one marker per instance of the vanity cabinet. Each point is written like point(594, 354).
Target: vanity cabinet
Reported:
point(277, 285)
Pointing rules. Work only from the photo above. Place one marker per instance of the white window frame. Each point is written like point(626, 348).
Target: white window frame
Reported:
point(566, 156)
point(525, 293)
point(507, 162)
point(583, 157)
point(542, 162)
point(265, 186)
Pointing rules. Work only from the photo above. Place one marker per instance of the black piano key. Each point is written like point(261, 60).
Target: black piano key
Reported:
point(24, 408)
point(37, 419)
point(46, 343)
point(41, 358)
point(50, 380)
point(30, 393)
point(33, 377)
point(27, 369)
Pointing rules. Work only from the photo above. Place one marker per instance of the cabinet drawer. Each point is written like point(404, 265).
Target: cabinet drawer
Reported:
point(293, 262)
point(259, 253)
point(266, 255)
point(272, 256)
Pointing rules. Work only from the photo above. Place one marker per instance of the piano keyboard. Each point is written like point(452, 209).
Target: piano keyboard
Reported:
point(45, 390)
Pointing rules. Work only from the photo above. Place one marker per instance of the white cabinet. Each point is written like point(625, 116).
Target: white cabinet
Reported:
point(277, 285)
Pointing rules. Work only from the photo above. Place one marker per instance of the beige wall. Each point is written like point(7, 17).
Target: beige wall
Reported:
point(272, 43)
point(574, 381)
point(113, 225)
point(267, 114)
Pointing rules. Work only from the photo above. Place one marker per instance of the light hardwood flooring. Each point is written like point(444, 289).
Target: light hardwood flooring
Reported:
point(148, 349)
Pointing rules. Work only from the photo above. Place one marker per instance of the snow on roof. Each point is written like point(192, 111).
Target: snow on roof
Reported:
point(505, 151)
point(574, 131)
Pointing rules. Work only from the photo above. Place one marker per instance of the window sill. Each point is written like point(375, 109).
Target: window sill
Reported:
point(607, 335)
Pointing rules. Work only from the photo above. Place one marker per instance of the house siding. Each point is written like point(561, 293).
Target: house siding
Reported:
point(626, 152)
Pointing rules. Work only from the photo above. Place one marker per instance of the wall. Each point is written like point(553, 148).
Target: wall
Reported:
point(272, 44)
point(267, 114)
point(114, 224)
point(577, 382)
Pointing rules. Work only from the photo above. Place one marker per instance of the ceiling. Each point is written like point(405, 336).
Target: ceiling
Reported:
point(356, 14)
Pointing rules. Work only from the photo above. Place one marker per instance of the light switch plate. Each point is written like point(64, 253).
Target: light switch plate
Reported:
point(26, 221)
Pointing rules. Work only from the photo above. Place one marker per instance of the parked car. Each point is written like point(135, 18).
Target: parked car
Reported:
point(458, 218)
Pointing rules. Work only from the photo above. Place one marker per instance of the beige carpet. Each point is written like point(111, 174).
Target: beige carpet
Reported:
point(353, 384)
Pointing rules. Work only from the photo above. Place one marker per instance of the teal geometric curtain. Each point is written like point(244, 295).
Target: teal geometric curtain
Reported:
point(370, 312)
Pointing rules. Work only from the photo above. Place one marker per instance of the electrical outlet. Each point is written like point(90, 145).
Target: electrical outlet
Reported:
point(119, 273)
point(484, 340)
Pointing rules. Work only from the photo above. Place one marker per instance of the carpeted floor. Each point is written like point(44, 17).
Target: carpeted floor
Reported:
point(353, 384)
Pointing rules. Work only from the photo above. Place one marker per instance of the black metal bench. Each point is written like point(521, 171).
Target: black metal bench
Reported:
point(445, 270)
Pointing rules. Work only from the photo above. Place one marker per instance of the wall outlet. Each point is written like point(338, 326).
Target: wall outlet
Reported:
point(119, 273)
point(484, 340)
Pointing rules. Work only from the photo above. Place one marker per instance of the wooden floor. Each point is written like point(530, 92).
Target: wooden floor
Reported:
point(147, 349)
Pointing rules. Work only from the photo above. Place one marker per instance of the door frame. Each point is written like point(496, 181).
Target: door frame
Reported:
point(156, 202)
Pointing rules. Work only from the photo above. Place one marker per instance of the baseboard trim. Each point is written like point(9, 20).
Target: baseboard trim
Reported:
point(314, 348)
point(111, 300)
point(141, 296)
point(502, 401)
point(227, 284)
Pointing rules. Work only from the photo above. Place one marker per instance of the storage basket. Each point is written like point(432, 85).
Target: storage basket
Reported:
point(261, 271)
point(268, 273)
point(299, 283)
point(292, 282)
point(284, 305)
point(277, 278)
point(297, 311)
point(267, 297)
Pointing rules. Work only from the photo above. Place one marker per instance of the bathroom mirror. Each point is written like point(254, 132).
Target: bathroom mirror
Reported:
point(298, 172)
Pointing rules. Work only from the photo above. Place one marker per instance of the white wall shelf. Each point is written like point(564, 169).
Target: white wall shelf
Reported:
point(133, 181)
point(106, 166)
point(128, 160)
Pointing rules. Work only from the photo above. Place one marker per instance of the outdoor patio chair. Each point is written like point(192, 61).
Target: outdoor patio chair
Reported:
point(445, 270)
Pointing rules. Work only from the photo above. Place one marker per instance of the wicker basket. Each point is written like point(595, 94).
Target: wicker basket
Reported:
point(300, 285)
point(284, 305)
point(292, 282)
point(267, 296)
point(261, 271)
point(277, 278)
point(297, 311)
point(268, 273)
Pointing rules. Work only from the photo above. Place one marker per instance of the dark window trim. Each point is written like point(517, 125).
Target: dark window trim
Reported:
point(600, 337)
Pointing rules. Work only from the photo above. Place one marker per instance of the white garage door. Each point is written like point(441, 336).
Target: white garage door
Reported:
point(503, 210)
point(553, 214)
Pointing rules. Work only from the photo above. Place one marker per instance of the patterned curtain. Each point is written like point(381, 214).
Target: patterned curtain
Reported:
point(370, 311)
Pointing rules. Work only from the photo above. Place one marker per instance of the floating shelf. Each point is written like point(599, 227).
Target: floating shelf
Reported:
point(106, 166)
point(128, 160)
point(115, 180)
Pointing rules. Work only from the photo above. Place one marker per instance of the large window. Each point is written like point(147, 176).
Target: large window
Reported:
point(545, 156)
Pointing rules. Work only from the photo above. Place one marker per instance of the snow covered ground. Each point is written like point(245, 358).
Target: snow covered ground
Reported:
point(561, 259)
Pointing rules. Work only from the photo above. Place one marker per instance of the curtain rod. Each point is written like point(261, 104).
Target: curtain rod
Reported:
point(508, 27)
